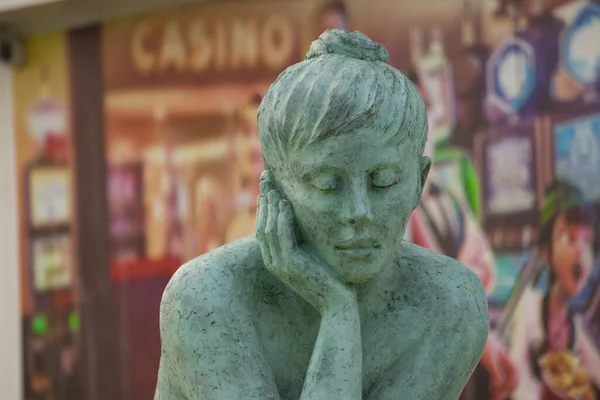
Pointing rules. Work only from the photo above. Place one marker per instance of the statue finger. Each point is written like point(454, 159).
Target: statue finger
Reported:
point(271, 228)
point(261, 223)
point(286, 228)
point(265, 175)
point(265, 188)
point(261, 217)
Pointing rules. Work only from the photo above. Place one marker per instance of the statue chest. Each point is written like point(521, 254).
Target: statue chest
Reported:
point(288, 335)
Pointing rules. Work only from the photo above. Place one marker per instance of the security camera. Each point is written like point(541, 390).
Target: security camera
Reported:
point(12, 51)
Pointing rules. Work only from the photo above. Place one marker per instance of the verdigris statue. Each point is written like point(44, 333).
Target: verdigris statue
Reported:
point(326, 302)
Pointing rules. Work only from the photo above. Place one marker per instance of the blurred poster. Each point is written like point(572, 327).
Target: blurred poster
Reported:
point(510, 183)
point(48, 285)
point(52, 266)
point(528, 119)
point(577, 154)
point(50, 191)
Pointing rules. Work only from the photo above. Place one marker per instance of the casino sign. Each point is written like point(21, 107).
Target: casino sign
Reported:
point(580, 46)
point(511, 75)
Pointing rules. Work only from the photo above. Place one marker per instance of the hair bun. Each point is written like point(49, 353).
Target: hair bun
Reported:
point(349, 44)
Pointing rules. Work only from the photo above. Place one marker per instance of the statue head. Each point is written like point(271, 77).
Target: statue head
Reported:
point(343, 135)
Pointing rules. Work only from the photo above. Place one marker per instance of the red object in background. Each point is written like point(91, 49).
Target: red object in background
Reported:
point(62, 300)
point(123, 271)
point(56, 147)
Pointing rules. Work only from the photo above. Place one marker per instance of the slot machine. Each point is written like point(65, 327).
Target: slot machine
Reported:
point(50, 359)
point(508, 159)
point(507, 149)
point(49, 242)
point(519, 79)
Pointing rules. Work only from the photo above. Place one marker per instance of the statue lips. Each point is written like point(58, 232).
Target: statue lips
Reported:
point(358, 248)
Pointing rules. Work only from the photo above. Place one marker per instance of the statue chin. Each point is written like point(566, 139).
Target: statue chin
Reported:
point(356, 274)
point(353, 265)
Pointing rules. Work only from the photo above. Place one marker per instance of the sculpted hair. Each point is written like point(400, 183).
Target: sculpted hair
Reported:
point(345, 83)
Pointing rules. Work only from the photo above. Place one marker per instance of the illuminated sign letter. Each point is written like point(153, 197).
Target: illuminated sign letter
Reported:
point(201, 46)
point(244, 43)
point(173, 48)
point(277, 41)
point(142, 58)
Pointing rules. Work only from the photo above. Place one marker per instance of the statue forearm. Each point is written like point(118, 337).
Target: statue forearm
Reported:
point(335, 369)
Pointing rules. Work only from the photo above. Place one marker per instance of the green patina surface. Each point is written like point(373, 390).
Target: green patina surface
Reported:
point(326, 301)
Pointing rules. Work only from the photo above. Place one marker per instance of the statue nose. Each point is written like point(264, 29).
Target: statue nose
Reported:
point(357, 209)
point(359, 214)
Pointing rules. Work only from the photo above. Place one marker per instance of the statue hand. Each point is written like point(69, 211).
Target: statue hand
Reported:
point(288, 260)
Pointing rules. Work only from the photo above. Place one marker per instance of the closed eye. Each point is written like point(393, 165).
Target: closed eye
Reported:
point(385, 178)
point(324, 181)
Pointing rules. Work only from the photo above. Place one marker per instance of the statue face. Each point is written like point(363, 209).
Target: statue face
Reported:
point(352, 196)
point(572, 255)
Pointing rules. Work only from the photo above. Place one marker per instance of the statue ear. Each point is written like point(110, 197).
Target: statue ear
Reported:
point(425, 166)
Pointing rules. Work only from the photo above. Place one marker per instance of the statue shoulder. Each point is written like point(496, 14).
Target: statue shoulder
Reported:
point(206, 328)
point(204, 289)
point(214, 277)
point(452, 302)
point(450, 288)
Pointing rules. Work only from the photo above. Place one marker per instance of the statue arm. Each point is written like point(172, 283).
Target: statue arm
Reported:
point(165, 389)
point(467, 332)
point(335, 369)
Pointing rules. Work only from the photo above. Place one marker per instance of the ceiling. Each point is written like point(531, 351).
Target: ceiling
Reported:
point(26, 17)
point(10, 5)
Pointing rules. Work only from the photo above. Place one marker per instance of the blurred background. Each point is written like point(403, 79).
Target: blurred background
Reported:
point(128, 145)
